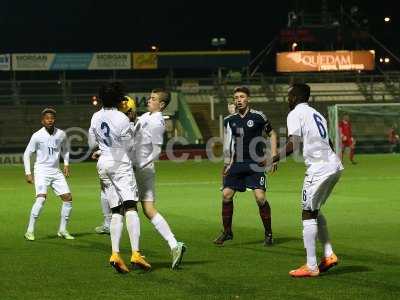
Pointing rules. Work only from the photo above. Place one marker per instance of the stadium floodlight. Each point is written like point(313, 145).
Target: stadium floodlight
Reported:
point(94, 101)
point(387, 19)
point(217, 42)
point(294, 45)
point(381, 60)
point(387, 60)
point(154, 48)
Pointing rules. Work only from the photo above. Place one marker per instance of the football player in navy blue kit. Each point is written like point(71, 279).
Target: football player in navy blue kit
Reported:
point(244, 161)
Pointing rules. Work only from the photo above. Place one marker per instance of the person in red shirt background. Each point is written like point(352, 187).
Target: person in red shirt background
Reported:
point(347, 137)
point(393, 138)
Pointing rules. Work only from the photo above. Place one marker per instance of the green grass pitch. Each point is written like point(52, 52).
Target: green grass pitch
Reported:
point(363, 216)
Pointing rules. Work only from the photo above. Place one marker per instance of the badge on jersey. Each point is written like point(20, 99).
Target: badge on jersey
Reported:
point(250, 123)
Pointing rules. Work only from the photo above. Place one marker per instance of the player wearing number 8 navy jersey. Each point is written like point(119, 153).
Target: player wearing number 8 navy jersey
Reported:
point(323, 172)
point(244, 151)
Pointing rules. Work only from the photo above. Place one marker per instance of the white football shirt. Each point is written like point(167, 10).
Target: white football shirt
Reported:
point(150, 131)
point(48, 148)
point(110, 130)
point(306, 122)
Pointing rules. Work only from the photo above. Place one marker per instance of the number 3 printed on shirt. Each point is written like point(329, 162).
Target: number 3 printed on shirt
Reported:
point(106, 130)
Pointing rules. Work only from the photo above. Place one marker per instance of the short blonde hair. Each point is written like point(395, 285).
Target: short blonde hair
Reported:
point(164, 96)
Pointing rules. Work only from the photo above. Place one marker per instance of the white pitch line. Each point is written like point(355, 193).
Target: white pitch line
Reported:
point(196, 183)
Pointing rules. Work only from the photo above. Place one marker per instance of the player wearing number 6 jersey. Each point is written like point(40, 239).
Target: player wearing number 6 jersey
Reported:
point(323, 172)
point(111, 131)
point(48, 143)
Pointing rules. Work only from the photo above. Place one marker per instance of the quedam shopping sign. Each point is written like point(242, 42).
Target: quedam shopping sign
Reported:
point(315, 61)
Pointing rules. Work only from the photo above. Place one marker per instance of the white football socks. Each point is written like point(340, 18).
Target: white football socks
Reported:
point(310, 229)
point(133, 227)
point(323, 235)
point(105, 206)
point(65, 213)
point(35, 212)
point(163, 228)
point(116, 227)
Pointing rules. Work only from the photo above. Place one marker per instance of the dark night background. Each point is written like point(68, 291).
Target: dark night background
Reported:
point(88, 25)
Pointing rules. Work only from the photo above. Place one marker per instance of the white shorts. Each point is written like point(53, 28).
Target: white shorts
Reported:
point(316, 190)
point(53, 178)
point(117, 181)
point(145, 180)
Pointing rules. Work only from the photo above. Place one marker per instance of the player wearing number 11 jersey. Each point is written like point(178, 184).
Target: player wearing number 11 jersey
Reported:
point(49, 143)
point(323, 172)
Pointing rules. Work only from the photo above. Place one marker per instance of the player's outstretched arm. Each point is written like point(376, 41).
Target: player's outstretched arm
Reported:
point(291, 146)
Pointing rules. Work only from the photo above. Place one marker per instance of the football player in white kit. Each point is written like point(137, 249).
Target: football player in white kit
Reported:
point(128, 107)
point(149, 132)
point(48, 143)
point(110, 130)
point(324, 168)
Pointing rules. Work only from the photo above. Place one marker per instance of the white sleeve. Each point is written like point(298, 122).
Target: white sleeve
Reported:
point(126, 136)
point(152, 157)
point(31, 148)
point(65, 150)
point(157, 132)
point(228, 146)
point(92, 142)
point(293, 124)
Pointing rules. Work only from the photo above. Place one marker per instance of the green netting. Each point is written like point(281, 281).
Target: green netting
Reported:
point(371, 124)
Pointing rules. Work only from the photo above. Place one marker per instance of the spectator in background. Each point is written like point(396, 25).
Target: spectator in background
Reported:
point(394, 139)
point(347, 138)
point(231, 108)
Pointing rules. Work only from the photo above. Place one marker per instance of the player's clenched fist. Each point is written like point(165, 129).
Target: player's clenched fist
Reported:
point(29, 178)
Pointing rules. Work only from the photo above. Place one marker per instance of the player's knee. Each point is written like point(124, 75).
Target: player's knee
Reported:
point(260, 197)
point(41, 197)
point(130, 205)
point(227, 195)
point(309, 214)
point(149, 210)
point(66, 197)
point(321, 220)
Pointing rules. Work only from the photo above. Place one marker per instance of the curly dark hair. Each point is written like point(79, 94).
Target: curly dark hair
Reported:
point(112, 93)
point(301, 91)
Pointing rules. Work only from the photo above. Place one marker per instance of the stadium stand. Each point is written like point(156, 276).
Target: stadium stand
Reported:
point(22, 101)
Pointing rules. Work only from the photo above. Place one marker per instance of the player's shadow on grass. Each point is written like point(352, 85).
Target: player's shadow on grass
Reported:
point(347, 269)
point(76, 235)
point(277, 241)
point(167, 265)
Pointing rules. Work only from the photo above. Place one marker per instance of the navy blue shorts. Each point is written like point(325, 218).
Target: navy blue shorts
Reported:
point(241, 175)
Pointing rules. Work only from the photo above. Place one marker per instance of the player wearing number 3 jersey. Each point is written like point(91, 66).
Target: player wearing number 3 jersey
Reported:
point(111, 131)
point(323, 172)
